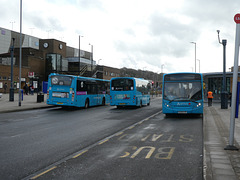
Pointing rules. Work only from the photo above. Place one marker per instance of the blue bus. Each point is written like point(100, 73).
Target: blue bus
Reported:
point(69, 90)
point(129, 91)
point(182, 93)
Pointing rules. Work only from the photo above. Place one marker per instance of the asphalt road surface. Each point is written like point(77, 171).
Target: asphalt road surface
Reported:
point(32, 140)
point(100, 143)
point(155, 148)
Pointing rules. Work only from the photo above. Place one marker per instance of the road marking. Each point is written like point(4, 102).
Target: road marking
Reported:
point(119, 133)
point(103, 141)
point(44, 172)
point(87, 148)
point(80, 154)
point(131, 127)
point(150, 126)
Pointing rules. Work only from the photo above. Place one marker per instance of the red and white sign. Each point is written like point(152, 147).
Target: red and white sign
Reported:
point(237, 18)
point(30, 74)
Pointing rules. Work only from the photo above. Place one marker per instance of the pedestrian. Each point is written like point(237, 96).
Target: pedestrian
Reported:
point(26, 89)
point(230, 98)
point(210, 97)
point(5, 88)
point(32, 90)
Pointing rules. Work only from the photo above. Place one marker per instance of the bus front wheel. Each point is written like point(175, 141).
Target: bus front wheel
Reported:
point(86, 104)
point(103, 102)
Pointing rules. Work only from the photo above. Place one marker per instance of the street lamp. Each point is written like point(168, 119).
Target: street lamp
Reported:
point(12, 22)
point(199, 64)
point(99, 61)
point(79, 56)
point(91, 56)
point(20, 55)
point(162, 68)
point(224, 99)
point(195, 53)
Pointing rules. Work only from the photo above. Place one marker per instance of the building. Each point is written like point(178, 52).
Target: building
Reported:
point(213, 82)
point(40, 57)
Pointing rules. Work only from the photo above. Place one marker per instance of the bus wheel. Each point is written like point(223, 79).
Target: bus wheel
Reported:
point(148, 102)
point(103, 102)
point(86, 104)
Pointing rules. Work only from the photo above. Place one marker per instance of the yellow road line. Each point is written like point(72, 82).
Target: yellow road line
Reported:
point(35, 177)
point(79, 154)
point(131, 127)
point(119, 133)
point(103, 141)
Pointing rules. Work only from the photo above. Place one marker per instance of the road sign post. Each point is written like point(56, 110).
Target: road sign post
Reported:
point(234, 85)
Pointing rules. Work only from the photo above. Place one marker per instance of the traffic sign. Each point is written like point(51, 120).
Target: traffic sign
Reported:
point(237, 18)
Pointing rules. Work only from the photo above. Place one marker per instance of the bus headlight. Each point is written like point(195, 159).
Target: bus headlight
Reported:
point(199, 104)
point(167, 105)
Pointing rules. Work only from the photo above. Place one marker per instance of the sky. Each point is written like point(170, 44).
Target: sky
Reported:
point(153, 35)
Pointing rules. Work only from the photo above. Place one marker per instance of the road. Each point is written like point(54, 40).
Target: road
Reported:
point(100, 143)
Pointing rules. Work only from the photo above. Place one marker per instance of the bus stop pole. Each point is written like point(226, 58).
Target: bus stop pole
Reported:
point(234, 86)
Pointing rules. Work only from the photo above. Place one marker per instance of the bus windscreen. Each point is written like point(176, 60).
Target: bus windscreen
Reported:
point(61, 80)
point(122, 84)
point(178, 91)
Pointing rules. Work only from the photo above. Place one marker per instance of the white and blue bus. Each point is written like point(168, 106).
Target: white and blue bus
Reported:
point(129, 91)
point(182, 93)
point(69, 90)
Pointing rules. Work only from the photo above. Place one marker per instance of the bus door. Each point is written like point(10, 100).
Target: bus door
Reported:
point(92, 93)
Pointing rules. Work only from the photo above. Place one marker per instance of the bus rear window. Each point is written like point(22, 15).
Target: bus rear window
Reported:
point(61, 80)
point(122, 85)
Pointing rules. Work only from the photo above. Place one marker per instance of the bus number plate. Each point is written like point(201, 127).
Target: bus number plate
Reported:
point(182, 112)
point(122, 103)
point(59, 103)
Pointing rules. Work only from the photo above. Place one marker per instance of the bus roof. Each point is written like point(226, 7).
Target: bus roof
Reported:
point(129, 78)
point(78, 77)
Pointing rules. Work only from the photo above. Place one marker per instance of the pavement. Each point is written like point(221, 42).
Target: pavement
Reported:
point(28, 102)
point(219, 164)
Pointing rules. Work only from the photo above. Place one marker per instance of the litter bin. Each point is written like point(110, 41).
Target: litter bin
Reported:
point(40, 97)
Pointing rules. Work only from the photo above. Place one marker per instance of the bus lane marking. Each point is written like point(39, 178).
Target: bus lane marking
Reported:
point(162, 152)
point(79, 154)
point(150, 151)
point(50, 168)
point(44, 172)
point(103, 141)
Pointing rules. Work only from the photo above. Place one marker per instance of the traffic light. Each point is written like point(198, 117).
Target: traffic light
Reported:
point(152, 83)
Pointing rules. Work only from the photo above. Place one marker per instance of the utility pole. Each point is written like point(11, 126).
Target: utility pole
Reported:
point(11, 93)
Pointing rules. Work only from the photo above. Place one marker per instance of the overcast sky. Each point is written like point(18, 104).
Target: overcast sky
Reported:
point(152, 35)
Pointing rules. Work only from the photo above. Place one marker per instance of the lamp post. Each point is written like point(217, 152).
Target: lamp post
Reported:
point(195, 53)
point(199, 64)
point(91, 56)
point(12, 22)
point(20, 55)
point(224, 99)
point(11, 93)
point(79, 56)
point(162, 68)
